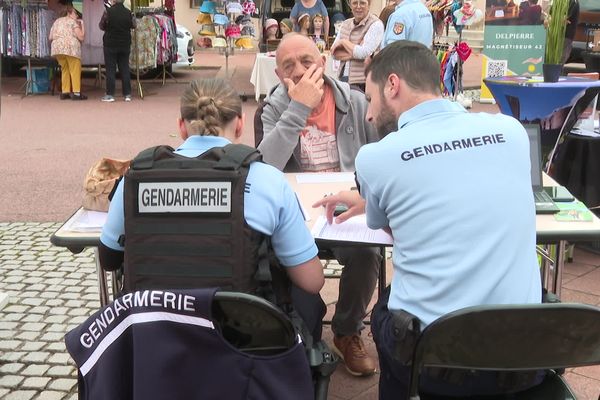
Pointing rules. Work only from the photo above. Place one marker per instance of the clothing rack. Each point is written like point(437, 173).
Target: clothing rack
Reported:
point(146, 11)
point(42, 54)
point(445, 46)
point(141, 11)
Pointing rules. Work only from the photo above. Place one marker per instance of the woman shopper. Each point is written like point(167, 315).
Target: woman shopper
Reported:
point(357, 39)
point(65, 37)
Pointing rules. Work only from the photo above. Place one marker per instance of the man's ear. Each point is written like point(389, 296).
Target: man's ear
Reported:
point(392, 86)
point(183, 132)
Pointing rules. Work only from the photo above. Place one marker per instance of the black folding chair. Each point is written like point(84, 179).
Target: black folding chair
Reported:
point(255, 326)
point(512, 338)
point(252, 324)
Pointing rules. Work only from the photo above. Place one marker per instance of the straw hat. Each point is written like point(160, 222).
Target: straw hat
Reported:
point(203, 19)
point(243, 20)
point(207, 30)
point(219, 41)
point(208, 7)
point(249, 7)
point(288, 24)
point(248, 30)
point(271, 22)
point(221, 19)
point(234, 7)
point(204, 42)
point(232, 30)
point(244, 42)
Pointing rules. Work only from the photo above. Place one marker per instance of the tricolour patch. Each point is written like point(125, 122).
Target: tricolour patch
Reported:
point(398, 28)
point(165, 197)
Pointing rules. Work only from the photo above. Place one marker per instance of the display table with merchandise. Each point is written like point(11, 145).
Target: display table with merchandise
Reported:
point(531, 100)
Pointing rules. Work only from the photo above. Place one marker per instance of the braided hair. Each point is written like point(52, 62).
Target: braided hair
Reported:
point(209, 104)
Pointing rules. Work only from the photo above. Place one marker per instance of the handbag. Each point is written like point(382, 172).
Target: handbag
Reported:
point(100, 181)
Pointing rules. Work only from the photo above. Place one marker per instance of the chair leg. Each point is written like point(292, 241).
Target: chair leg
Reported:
point(382, 281)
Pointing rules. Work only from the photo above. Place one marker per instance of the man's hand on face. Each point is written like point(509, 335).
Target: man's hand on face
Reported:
point(309, 89)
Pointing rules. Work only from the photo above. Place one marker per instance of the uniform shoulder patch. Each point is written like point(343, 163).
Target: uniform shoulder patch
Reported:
point(398, 28)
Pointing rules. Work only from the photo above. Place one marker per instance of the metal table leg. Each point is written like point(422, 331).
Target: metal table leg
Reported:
point(102, 286)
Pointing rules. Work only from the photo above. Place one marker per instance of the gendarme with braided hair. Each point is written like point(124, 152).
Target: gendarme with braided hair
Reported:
point(211, 116)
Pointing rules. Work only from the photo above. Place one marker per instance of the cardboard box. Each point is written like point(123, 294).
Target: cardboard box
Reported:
point(39, 78)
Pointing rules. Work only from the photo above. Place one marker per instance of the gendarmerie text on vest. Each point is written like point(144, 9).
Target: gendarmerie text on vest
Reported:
point(184, 197)
point(148, 298)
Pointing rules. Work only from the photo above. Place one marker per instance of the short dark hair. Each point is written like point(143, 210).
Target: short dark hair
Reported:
point(412, 61)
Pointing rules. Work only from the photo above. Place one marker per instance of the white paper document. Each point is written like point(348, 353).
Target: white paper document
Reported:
point(354, 229)
point(586, 132)
point(88, 221)
point(325, 177)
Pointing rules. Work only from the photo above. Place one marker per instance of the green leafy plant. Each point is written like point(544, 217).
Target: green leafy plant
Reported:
point(555, 33)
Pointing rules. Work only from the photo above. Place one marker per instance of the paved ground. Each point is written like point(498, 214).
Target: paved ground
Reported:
point(47, 146)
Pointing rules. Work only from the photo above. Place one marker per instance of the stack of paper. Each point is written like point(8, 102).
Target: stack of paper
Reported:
point(87, 221)
point(354, 229)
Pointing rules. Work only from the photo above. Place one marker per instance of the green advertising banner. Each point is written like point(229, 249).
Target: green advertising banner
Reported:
point(511, 50)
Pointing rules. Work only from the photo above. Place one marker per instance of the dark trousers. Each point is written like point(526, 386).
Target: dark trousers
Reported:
point(113, 57)
point(394, 376)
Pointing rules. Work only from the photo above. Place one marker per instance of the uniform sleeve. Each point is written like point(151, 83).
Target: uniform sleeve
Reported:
point(292, 242)
point(115, 222)
point(270, 207)
point(395, 29)
point(376, 216)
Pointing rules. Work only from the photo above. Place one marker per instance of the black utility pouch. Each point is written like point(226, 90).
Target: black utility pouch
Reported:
point(406, 330)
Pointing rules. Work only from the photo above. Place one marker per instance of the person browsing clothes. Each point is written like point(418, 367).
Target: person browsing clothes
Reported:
point(65, 37)
point(117, 22)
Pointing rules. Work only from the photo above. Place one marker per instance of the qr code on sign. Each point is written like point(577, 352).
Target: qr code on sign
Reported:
point(496, 68)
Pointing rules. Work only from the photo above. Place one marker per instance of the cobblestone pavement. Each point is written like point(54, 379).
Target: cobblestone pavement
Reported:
point(50, 291)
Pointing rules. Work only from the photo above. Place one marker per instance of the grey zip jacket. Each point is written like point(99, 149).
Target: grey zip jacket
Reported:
point(283, 120)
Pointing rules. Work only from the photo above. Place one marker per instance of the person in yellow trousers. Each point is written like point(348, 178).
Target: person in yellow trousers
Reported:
point(66, 36)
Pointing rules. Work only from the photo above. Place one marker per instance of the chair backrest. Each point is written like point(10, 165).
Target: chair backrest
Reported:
point(258, 125)
point(510, 338)
point(252, 324)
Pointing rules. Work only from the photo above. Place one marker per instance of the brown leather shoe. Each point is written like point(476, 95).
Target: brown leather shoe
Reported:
point(351, 349)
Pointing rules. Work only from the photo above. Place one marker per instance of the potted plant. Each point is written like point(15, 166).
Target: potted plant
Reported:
point(555, 39)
